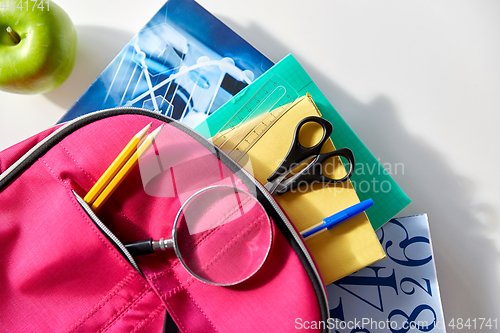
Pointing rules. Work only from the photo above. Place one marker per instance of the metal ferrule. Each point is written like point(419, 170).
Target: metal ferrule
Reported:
point(163, 244)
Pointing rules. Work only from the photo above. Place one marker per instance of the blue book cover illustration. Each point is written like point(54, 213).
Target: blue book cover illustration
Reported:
point(184, 63)
point(398, 294)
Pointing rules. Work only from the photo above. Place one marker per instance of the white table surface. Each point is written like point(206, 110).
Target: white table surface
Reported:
point(418, 81)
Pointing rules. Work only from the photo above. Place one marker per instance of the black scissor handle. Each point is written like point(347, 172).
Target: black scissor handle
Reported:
point(298, 153)
point(313, 173)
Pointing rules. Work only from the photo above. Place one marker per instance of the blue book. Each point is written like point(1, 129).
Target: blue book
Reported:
point(184, 63)
point(397, 294)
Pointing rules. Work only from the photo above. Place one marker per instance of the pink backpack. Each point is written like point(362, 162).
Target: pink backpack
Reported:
point(63, 270)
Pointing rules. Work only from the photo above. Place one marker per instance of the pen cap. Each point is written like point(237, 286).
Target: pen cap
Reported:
point(362, 206)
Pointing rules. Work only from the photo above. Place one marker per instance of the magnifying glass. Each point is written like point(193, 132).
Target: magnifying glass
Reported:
point(222, 235)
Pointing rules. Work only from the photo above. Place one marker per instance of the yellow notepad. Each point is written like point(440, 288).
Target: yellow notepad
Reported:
point(346, 248)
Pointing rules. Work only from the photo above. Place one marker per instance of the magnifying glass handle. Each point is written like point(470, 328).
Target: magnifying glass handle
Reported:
point(148, 246)
point(140, 248)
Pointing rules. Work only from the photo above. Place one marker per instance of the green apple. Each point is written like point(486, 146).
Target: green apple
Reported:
point(37, 47)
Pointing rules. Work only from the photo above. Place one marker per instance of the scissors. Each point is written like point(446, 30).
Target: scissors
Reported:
point(298, 154)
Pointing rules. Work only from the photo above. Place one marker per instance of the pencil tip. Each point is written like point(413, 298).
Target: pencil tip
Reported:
point(143, 131)
point(155, 133)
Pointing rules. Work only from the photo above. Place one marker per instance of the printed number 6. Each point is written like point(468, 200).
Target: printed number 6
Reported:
point(404, 244)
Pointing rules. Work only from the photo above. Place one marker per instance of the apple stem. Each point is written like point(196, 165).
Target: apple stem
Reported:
point(14, 35)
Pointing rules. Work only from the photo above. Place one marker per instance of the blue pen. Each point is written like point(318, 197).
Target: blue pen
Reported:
point(340, 217)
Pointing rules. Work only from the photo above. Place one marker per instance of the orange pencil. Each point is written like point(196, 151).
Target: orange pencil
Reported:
point(125, 170)
point(115, 166)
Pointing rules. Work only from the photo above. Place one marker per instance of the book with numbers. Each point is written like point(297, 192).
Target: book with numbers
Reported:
point(184, 63)
point(397, 294)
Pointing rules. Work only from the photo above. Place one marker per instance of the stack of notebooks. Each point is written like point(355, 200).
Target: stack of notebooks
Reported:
point(188, 65)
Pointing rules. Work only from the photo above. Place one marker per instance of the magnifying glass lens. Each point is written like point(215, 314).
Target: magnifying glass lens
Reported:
point(223, 235)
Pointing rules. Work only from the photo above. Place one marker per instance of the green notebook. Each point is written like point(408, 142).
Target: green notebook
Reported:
point(377, 184)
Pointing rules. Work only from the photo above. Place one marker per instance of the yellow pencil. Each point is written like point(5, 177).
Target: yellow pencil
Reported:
point(117, 164)
point(125, 170)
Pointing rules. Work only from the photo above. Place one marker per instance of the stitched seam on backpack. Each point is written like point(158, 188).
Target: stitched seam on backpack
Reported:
point(202, 312)
point(224, 249)
point(197, 244)
point(231, 243)
point(121, 212)
point(200, 241)
point(177, 320)
point(93, 180)
point(180, 288)
point(125, 309)
point(223, 220)
point(145, 322)
point(76, 163)
point(191, 278)
point(121, 260)
point(159, 294)
point(116, 289)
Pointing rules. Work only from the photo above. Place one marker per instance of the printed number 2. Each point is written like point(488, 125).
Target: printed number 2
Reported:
point(412, 291)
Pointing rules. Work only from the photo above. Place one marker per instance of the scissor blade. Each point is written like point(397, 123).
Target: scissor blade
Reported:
point(274, 186)
point(271, 187)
